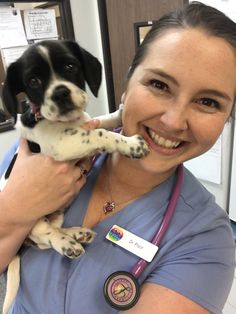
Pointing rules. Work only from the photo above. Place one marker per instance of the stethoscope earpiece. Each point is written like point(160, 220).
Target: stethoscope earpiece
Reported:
point(121, 290)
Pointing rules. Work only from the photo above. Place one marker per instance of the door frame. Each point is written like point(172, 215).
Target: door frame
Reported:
point(102, 11)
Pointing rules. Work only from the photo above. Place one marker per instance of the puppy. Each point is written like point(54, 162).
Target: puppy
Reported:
point(53, 74)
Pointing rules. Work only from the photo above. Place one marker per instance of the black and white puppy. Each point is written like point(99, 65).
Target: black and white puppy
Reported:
point(53, 74)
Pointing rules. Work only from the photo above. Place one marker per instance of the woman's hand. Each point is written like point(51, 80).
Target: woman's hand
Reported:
point(39, 185)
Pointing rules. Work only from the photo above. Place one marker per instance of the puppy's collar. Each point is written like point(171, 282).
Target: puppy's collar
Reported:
point(35, 110)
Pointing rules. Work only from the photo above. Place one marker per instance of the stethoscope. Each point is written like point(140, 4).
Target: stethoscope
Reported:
point(121, 288)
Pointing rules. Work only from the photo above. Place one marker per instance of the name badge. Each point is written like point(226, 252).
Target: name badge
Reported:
point(132, 243)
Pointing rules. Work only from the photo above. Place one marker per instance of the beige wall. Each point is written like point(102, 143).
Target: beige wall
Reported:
point(27, 6)
point(87, 33)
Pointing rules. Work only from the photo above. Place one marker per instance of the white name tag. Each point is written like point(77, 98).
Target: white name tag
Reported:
point(132, 243)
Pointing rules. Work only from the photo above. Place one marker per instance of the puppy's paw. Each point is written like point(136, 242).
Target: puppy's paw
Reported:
point(73, 252)
point(81, 235)
point(65, 245)
point(138, 147)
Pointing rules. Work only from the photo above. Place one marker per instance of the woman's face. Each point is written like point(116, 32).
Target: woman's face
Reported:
point(180, 96)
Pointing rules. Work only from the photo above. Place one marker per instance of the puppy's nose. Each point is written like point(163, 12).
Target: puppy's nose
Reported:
point(61, 94)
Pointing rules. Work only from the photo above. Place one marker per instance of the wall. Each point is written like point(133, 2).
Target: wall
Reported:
point(232, 203)
point(87, 33)
point(7, 139)
point(220, 191)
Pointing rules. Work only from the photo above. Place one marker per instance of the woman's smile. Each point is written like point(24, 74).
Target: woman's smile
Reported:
point(163, 143)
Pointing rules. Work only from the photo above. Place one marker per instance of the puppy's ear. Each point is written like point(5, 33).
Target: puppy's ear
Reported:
point(91, 66)
point(12, 86)
point(92, 71)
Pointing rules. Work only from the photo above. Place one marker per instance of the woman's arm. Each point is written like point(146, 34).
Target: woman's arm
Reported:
point(161, 300)
point(37, 186)
point(11, 235)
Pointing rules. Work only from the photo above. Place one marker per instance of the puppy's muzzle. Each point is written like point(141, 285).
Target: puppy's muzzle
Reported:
point(62, 98)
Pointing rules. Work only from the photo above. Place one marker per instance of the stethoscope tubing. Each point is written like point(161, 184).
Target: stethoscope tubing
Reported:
point(140, 266)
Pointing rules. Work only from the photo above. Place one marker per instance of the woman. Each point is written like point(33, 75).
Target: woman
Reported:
point(180, 92)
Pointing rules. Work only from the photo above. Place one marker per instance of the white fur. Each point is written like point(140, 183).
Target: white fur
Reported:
point(50, 111)
point(63, 138)
point(13, 281)
point(67, 140)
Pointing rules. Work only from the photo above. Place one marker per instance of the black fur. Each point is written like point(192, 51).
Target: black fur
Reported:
point(68, 60)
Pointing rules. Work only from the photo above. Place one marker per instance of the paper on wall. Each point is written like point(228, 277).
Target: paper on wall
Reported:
point(10, 55)
point(12, 32)
point(40, 24)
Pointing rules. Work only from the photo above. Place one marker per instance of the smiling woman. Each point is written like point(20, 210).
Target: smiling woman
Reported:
point(179, 94)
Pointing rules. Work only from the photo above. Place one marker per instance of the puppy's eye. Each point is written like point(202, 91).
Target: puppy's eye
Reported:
point(35, 82)
point(71, 68)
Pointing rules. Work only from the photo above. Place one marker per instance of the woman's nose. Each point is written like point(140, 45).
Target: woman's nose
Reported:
point(175, 117)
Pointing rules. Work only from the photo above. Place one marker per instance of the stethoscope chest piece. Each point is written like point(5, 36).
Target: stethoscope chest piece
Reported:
point(121, 290)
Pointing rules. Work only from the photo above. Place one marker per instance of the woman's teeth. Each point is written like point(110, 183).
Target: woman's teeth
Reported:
point(161, 140)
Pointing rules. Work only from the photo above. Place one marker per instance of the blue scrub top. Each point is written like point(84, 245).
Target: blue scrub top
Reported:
point(7, 158)
point(196, 257)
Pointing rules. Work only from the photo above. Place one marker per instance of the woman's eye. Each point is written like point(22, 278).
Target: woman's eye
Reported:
point(211, 103)
point(35, 82)
point(159, 85)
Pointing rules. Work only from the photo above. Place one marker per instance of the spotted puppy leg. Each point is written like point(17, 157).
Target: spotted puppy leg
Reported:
point(80, 234)
point(77, 143)
point(133, 146)
point(47, 236)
